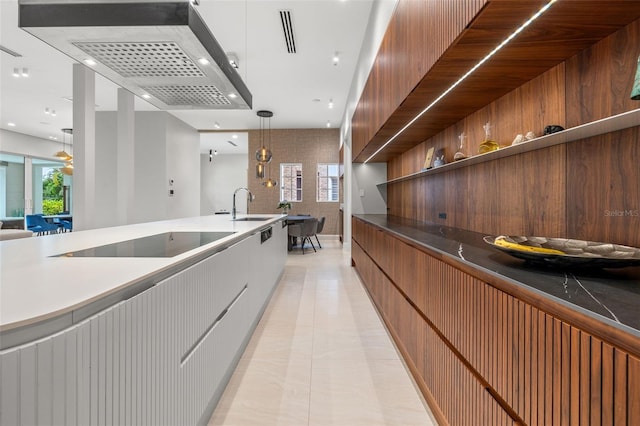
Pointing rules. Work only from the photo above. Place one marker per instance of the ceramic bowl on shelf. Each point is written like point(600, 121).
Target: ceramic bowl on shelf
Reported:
point(566, 252)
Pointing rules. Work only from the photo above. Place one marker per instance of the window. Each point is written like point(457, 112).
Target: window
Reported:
point(327, 185)
point(291, 182)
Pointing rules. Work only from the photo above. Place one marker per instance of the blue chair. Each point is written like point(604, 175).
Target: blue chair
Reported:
point(32, 224)
point(40, 225)
point(63, 225)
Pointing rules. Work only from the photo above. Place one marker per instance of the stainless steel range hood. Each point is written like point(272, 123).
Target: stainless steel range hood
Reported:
point(161, 51)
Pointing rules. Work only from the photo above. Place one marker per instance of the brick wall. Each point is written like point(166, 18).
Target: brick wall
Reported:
point(306, 146)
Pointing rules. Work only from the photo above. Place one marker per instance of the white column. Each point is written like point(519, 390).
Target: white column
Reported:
point(28, 186)
point(126, 156)
point(347, 209)
point(84, 147)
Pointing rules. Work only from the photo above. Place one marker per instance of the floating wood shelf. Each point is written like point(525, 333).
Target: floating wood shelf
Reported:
point(595, 128)
point(565, 29)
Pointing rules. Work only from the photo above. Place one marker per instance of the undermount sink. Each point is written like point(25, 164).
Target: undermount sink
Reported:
point(257, 219)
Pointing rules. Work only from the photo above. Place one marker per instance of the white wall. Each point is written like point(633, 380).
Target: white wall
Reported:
point(183, 167)
point(106, 198)
point(366, 196)
point(17, 143)
point(165, 148)
point(219, 178)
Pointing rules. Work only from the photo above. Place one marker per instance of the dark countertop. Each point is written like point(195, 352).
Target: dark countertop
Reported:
point(611, 296)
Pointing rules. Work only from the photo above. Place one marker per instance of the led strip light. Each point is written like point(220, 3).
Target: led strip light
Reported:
point(467, 74)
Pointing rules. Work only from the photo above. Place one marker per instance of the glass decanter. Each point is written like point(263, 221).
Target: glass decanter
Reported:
point(488, 144)
point(461, 154)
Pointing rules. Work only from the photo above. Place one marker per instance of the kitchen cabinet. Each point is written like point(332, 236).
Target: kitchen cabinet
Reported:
point(485, 350)
point(163, 356)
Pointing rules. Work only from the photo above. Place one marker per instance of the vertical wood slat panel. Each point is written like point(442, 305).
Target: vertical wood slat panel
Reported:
point(620, 388)
point(633, 397)
point(565, 371)
point(557, 371)
point(596, 381)
point(576, 368)
point(608, 375)
point(585, 376)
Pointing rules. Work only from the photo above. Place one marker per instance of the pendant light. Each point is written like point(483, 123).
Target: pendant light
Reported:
point(263, 155)
point(64, 155)
point(68, 166)
point(260, 170)
point(269, 183)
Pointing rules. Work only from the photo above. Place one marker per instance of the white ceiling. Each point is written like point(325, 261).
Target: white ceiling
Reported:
point(296, 87)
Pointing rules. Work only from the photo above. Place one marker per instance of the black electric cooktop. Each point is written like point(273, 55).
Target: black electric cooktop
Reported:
point(168, 244)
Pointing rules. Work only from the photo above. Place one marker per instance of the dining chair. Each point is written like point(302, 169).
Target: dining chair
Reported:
point(319, 230)
point(305, 231)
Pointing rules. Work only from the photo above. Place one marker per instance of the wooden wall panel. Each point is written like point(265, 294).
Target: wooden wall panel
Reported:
point(599, 79)
point(561, 191)
point(603, 188)
point(489, 197)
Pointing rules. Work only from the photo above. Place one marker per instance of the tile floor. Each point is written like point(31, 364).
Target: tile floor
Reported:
point(321, 356)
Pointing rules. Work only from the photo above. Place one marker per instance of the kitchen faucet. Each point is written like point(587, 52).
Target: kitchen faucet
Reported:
point(251, 197)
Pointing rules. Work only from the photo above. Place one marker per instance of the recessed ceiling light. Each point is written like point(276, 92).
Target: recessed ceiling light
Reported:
point(233, 95)
point(328, 123)
point(336, 58)
point(46, 111)
point(203, 61)
point(146, 96)
point(53, 112)
point(233, 60)
point(216, 125)
point(235, 136)
point(90, 62)
point(25, 72)
point(16, 72)
point(330, 103)
point(11, 124)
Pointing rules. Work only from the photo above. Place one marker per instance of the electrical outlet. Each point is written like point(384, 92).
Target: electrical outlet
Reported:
point(442, 215)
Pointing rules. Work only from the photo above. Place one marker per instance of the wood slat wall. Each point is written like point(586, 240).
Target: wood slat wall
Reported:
point(460, 334)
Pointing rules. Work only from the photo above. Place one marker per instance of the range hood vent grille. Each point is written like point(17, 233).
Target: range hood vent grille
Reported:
point(162, 51)
point(143, 59)
point(188, 95)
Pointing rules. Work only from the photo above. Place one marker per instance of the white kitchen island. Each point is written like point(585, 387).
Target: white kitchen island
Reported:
point(95, 332)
